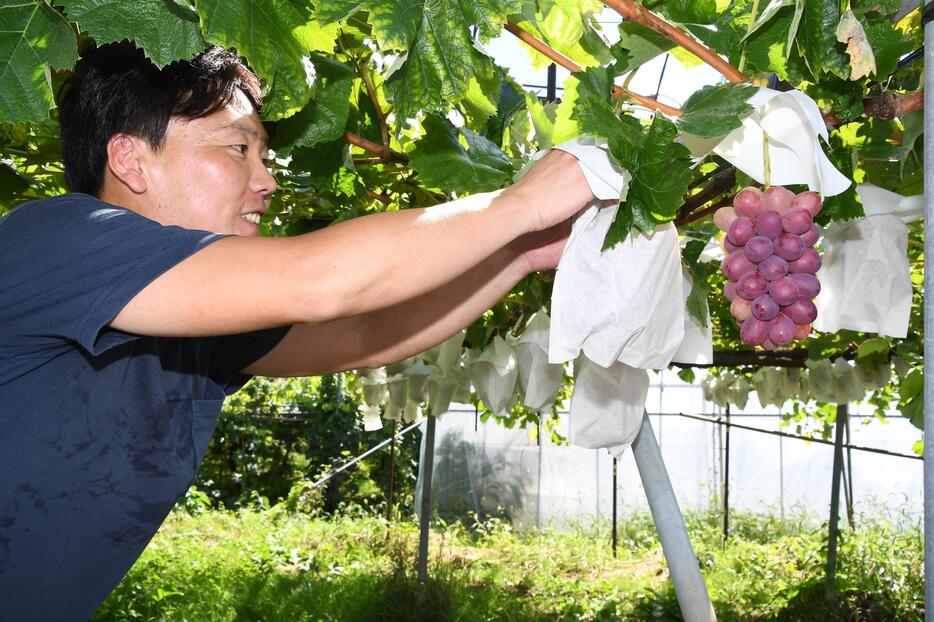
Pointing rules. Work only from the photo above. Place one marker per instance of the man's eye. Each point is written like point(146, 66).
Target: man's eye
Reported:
point(241, 148)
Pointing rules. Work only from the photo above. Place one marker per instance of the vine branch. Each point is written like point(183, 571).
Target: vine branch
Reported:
point(368, 145)
point(380, 115)
point(573, 67)
point(639, 14)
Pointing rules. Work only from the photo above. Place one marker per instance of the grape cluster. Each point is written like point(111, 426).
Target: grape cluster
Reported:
point(771, 263)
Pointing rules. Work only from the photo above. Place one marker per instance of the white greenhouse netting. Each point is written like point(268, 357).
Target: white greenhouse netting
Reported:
point(486, 469)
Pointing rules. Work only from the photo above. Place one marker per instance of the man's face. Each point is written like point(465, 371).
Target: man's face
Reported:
point(211, 173)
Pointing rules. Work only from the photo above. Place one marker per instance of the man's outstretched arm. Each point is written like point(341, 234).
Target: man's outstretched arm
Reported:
point(393, 333)
point(239, 284)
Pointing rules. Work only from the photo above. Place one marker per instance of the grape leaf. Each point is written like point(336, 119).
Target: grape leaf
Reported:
point(164, 30)
point(33, 36)
point(850, 31)
point(768, 50)
point(12, 183)
point(325, 116)
point(888, 45)
point(442, 162)
point(476, 105)
point(641, 43)
point(509, 103)
point(330, 11)
point(873, 352)
point(846, 205)
point(624, 134)
point(692, 11)
point(275, 38)
point(818, 44)
point(660, 176)
point(716, 110)
point(845, 96)
point(567, 27)
point(440, 53)
point(696, 303)
point(766, 13)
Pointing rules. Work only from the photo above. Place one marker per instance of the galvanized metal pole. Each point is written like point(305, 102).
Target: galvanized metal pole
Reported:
point(428, 466)
point(831, 588)
point(615, 535)
point(928, 315)
point(726, 481)
point(392, 473)
point(672, 532)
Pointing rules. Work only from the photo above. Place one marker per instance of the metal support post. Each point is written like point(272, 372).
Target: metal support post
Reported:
point(425, 519)
point(831, 591)
point(672, 532)
point(392, 473)
point(615, 535)
point(726, 480)
point(928, 314)
point(551, 94)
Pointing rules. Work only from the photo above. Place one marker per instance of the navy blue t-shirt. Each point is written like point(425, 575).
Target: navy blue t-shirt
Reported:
point(101, 431)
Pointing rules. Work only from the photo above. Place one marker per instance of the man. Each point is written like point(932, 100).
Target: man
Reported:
point(132, 306)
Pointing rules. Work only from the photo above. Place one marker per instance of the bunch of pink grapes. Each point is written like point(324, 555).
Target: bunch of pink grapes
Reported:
point(771, 263)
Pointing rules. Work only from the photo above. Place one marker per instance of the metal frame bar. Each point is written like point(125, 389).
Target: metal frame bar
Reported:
point(928, 315)
point(672, 532)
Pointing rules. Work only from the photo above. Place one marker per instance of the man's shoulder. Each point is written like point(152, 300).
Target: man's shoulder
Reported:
point(65, 210)
point(70, 206)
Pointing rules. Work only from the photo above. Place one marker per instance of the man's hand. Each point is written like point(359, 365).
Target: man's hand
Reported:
point(553, 190)
point(542, 250)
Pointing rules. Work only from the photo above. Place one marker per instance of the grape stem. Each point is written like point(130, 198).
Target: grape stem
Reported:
point(559, 58)
point(766, 160)
point(752, 21)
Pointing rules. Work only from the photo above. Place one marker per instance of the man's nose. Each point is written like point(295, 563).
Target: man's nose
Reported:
point(263, 181)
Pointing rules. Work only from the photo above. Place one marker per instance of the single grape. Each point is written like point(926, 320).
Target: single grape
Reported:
point(768, 345)
point(773, 267)
point(741, 309)
point(735, 265)
point(754, 331)
point(808, 284)
point(778, 199)
point(724, 217)
point(748, 202)
point(810, 201)
point(729, 290)
point(758, 248)
point(801, 311)
point(809, 262)
point(802, 331)
point(781, 329)
point(727, 246)
point(740, 231)
point(811, 236)
point(796, 221)
point(764, 307)
point(783, 290)
point(769, 224)
point(789, 246)
point(752, 285)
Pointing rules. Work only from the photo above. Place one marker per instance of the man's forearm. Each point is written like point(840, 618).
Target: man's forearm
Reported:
point(381, 260)
point(415, 325)
point(394, 333)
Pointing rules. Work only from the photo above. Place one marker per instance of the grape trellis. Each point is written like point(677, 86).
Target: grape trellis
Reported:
point(362, 94)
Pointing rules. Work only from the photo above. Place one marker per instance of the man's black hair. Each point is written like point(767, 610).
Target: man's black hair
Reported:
point(116, 90)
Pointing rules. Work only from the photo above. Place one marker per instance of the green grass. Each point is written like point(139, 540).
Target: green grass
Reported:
point(272, 565)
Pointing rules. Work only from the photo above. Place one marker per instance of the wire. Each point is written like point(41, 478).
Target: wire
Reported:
point(354, 461)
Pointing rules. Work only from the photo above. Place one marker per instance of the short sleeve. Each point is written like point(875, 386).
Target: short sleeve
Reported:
point(72, 262)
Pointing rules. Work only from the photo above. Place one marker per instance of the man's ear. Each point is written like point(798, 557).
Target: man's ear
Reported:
point(124, 161)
